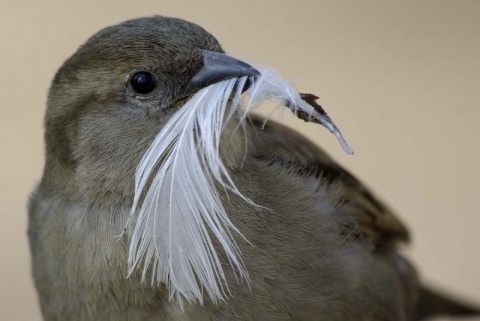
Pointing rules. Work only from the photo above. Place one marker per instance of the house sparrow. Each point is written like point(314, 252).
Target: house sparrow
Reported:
point(312, 244)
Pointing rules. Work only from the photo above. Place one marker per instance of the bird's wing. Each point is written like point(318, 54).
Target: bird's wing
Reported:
point(278, 144)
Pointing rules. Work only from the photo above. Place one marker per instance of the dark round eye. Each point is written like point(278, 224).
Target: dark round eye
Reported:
point(143, 82)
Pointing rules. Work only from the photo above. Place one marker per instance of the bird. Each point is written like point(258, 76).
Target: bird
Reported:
point(315, 242)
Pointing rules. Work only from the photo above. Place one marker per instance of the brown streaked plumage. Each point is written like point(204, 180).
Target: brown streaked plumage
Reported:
point(324, 248)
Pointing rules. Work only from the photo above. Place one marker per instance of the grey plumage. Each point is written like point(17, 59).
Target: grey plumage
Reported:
point(326, 248)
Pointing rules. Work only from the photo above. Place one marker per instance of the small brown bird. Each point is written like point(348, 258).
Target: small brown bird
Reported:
point(271, 229)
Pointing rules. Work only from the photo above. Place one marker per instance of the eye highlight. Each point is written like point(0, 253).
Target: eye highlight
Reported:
point(143, 82)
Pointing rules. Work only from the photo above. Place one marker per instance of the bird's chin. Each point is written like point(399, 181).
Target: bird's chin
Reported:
point(181, 100)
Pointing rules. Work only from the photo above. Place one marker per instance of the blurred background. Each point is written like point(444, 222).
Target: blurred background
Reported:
point(401, 79)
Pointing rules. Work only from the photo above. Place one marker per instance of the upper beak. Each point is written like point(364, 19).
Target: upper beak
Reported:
point(218, 67)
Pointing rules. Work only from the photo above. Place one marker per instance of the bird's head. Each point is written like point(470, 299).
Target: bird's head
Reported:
point(110, 99)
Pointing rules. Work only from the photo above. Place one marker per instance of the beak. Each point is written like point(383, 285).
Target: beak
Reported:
point(218, 67)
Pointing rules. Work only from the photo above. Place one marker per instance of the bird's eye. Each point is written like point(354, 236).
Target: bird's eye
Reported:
point(143, 82)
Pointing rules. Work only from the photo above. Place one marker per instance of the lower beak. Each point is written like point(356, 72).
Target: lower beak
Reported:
point(217, 67)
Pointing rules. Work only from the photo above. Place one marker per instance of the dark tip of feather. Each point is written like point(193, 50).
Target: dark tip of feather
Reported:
point(311, 100)
point(320, 117)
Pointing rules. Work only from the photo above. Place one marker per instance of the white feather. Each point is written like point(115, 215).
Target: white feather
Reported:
point(182, 210)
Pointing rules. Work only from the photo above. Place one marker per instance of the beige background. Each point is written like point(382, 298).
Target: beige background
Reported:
point(401, 79)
